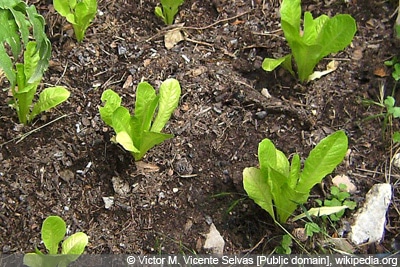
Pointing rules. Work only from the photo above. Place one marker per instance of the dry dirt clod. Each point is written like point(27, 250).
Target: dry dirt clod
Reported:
point(121, 187)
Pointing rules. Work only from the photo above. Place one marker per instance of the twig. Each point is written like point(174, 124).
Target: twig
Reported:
point(195, 28)
point(198, 42)
point(217, 22)
point(23, 136)
point(62, 75)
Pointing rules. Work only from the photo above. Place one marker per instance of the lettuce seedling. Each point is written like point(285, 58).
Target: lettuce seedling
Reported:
point(25, 85)
point(284, 186)
point(168, 10)
point(320, 37)
point(139, 133)
point(20, 23)
point(53, 232)
point(79, 13)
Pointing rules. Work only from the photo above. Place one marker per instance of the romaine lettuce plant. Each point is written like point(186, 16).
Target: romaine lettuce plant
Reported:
point(283, 186)
point(53, 232)
point(79, 13)
point(168, 10)
point(25, 85)
point(139, 133)
point(18, 24)
point(318, 38)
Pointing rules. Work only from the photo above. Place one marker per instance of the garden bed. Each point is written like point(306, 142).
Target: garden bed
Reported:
point(64, 163)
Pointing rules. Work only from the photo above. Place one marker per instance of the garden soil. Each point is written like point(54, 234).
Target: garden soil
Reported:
point(65, 164)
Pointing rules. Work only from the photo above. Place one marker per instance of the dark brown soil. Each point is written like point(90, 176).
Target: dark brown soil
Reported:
point(66, 166)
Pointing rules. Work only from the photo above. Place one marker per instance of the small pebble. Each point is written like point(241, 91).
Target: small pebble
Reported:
point(261, 115)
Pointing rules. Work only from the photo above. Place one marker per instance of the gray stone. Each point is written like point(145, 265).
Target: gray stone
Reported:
point(370, 220)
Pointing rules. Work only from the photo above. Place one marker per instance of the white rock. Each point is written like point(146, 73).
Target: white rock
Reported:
point(108, 202)
point(265, 93)
point(214, 241)
point(370, 221)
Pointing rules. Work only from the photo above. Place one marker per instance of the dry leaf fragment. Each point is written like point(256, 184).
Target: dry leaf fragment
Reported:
point(332, 66)
point(146, 167)
point(128, 82)
point(381, 72)
point(198, 71)
point(172, 37)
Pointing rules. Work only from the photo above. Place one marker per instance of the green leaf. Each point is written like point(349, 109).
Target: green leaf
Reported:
point(43, 45)
point(24, 95)
point(7, 66)
point(170, 92)
point(284, 197)
point(9, 32)
point(396, 137)
point(23, 26)
point(397, 31)
point(122, 125)
point(312, 27)
point(312, 228)
point(31, 59)
point(33, 260)
point(170, 9)
point(284, 248)
point(342, 187)
point(49, 98)
point(113, 101)
point(145, 105)
point(342, 196)
point(335, 190)
point(322, 160)
point(286, 242)
point(258, 189)
point(337, 34)
point(389, 102)
point(62, 7)
point(306, 57)
point(391, 108)
point(270, 157)
point(332, 202)
point(125, 140)
point(7, 4)
point(294, 171)
point(350, 204)
point(75, 244)
point(158, 11)
point(269, 64)
point(391, 62)
point(149, 140)
point(291, 13)
point(53, 232)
